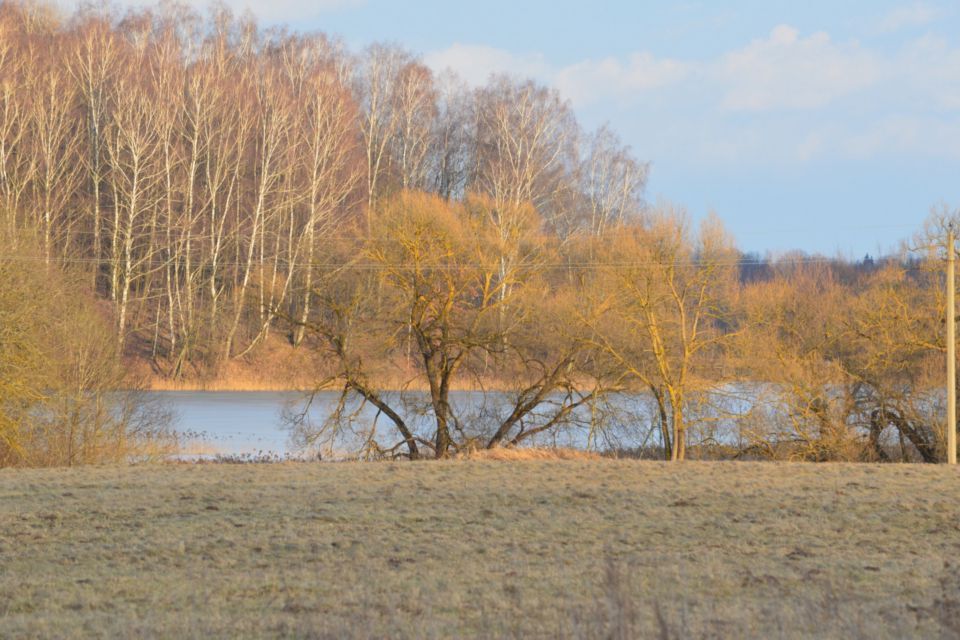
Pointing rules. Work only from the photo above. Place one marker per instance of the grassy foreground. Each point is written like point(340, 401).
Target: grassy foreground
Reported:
point(574, 548)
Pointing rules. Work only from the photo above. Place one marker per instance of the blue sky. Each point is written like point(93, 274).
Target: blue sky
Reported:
point(823, 126)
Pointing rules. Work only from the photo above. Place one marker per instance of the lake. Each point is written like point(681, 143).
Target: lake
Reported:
point(231, 423)
point(251, 423)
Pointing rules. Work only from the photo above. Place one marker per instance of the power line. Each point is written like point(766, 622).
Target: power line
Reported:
point(546, 236)
point(732, 262)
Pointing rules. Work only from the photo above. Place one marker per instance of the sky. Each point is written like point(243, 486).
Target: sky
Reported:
point(826, 126)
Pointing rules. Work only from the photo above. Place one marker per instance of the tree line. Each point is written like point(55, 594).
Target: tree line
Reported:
point(201, 165)
point(216, 186)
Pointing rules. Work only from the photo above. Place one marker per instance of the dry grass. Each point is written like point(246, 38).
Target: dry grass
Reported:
point(578, 548)
point(273, 366)
point(234, 382)
point(504, 454)
point(277, 366)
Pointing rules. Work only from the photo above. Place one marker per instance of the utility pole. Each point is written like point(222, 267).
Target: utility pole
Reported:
point(951, 351)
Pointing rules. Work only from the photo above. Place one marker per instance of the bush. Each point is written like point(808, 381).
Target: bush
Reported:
point(64, 399)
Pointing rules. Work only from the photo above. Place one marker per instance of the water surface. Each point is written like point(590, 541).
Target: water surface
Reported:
point(254, 423)
point(231, 423)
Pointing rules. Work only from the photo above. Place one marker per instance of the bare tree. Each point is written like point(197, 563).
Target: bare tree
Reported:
point(431, 268)
point(451, 154)
point(135, 154)
point(56, 158)
point(92, 62)
point(415, 108)
point(378, 74)
point(525, 145)
point(612, 182)
point(273, 118)
point(662, 298)
point(330, 170)
point(16, 166)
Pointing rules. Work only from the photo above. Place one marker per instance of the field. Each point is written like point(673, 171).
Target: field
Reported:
point(574, 548)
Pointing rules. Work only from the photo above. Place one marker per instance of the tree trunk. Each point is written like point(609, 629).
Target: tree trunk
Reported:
point(679, 430)
point(665, 433)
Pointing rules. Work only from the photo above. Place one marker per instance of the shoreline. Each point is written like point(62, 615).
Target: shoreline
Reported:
point(220, 386)
point(247, 383)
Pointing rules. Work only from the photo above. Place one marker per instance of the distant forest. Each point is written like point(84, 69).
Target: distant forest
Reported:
point(206, 190)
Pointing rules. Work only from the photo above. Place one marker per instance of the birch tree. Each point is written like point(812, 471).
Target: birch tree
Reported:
point(612, 182)
point(16, 166)
point(135, 154)
point(415, 107)
point(331, 168)
point(525, 145)
point(273, 122)
point(91, 61)
point(378, 75)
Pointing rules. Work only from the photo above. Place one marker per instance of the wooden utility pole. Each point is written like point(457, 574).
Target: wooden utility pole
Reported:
point(951, 352)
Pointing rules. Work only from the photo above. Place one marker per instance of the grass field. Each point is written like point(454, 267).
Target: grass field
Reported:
point(599, 548)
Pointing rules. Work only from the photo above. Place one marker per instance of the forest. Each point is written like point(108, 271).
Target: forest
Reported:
point(183, 190)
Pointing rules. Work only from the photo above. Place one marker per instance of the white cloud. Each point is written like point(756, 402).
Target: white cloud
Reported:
point(585, 82)
point(929, 71)
point(916, 15)
point(810, 146)
point(787, 71)
point(269, 11)
point(788, 97)
point(933, 136)
point(781, 71)
point(476, 63)
point(281, 10)
point(594, 81)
